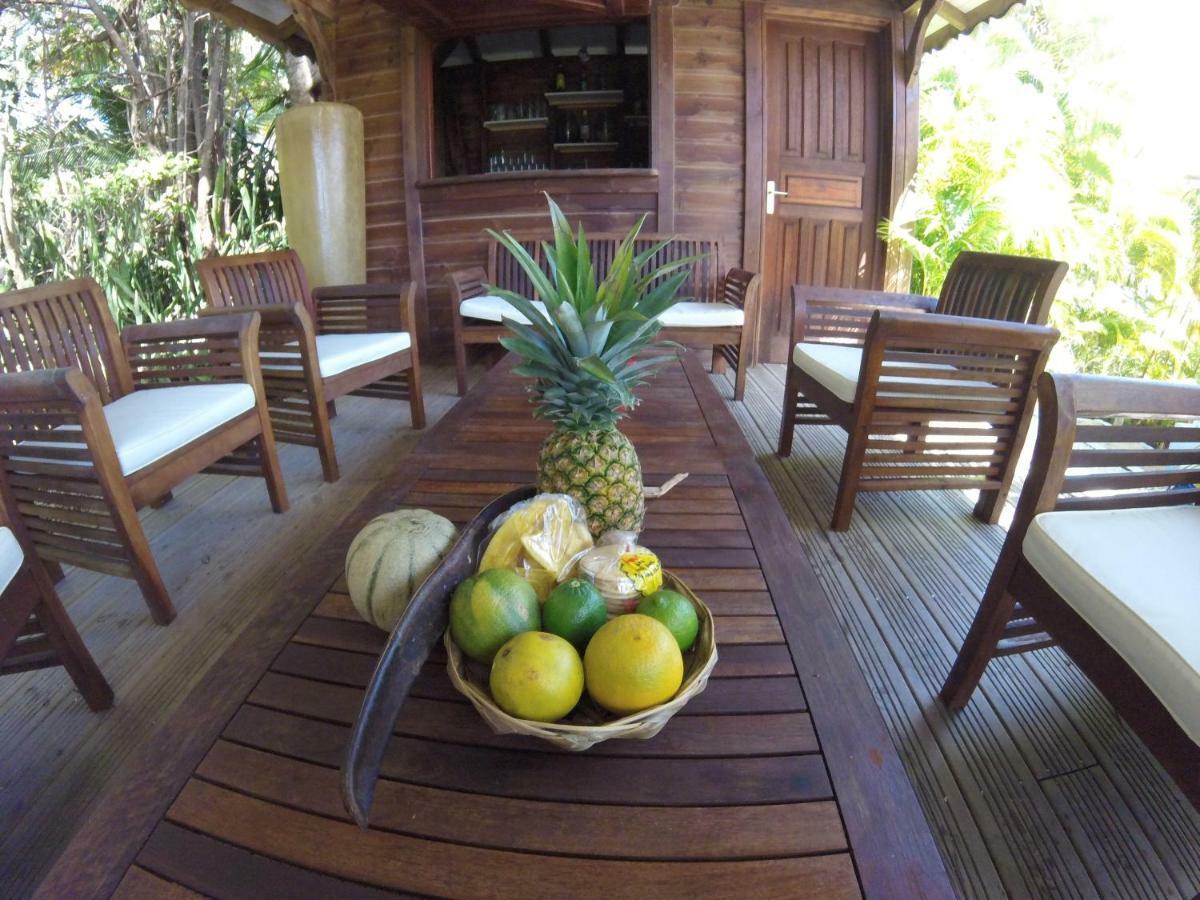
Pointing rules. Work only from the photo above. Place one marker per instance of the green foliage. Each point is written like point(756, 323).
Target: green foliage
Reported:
point(587, 354)
point(103, 184)
point(1024, 151)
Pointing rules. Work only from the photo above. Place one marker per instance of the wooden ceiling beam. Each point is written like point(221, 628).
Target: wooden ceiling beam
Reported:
point(989, 9)
point(285, 35)
point(916, 41)
point(954, 15)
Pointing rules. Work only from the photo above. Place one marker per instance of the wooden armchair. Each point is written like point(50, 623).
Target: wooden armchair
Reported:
point(318, 345)
point(35, 631)
point(933, 394)
point(94, 425)
point(1102, 559)
point(722, 311)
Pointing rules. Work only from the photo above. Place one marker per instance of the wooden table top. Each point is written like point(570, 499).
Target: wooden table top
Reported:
point(778, 780)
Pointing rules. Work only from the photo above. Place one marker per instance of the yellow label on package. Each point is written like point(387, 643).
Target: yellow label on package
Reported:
point(643, 569)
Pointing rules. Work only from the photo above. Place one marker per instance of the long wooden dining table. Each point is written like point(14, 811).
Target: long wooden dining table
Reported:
point(779, 780)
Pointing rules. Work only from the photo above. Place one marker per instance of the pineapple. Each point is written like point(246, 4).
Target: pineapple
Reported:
point(586, 358)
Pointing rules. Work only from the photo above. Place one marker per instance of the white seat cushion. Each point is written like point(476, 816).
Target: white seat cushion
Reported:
point(150, 424)
point(11, 557)
point(837, 367)
point(336, 353)
point(690, 314)
point(1134, 576)
point(491, 308)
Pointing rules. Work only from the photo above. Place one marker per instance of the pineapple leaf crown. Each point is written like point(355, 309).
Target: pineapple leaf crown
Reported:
point(587, 349)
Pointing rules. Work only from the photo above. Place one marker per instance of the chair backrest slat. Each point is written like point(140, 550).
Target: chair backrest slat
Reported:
point(1001, 287)
point(705, 283)
point(64, 324)
point(255, 279)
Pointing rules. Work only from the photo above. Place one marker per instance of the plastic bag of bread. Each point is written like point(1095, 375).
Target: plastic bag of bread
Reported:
point(541, 539)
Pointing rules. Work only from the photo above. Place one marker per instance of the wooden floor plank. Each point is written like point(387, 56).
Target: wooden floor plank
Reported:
point(1046, 717)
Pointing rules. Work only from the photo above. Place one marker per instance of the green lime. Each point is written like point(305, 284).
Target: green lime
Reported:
point(574, 610)
point(488, 610)
point(676, 612)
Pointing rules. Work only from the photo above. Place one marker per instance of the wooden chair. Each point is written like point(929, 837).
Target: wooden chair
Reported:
point(320, 344)
point(95, 425)
point(934, 394)
point(35, 630)
point(721, 312)
point(1102, 559)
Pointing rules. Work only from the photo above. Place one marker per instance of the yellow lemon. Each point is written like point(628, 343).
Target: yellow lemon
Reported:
point(537, 676)
point(631, 663)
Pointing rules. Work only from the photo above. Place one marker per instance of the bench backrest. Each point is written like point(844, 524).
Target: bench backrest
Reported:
point(1001, 287)
point(255, 279)
point(704, 285)
point(60, 325)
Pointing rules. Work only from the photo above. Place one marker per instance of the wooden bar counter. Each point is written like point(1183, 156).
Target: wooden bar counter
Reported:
point(779, 780)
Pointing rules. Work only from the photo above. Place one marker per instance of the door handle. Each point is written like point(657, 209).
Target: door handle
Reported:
point(771, 195)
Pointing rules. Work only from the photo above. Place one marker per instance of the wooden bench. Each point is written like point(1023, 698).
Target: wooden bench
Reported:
point(1101, 559)
point(320, 344)
point(96, 424)
point(934, 394)
point(719, 309)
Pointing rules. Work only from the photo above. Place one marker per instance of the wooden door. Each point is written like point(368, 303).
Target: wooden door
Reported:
point(821, 100)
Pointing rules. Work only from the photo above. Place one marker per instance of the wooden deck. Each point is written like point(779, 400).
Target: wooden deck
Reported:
point(1035, 790)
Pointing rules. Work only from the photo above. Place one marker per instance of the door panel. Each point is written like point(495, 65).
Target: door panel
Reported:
point(822, 150)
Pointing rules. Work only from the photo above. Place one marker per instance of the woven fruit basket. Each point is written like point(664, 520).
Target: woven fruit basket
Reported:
point(588, 724)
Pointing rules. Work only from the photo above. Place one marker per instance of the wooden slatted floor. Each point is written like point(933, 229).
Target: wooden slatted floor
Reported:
point(1037, 789)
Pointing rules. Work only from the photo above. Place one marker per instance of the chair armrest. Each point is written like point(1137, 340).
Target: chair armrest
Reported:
point(366, 308)
point(48, 386)
point(466, 283)
point(209, 349)
point(842, 315)
point(272, 314)
point(936, 332)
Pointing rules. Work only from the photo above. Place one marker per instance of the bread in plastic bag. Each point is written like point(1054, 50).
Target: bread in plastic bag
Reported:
point(622, 571)
point(541, 539)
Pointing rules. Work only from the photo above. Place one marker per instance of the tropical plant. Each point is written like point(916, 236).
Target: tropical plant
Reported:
point(589, 346)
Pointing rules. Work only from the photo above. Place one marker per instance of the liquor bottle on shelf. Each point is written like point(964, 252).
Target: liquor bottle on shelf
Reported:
point(585, 127)
point(560, 78)
point(583, 68)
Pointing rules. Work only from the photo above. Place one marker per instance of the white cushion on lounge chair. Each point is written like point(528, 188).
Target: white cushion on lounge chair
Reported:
point(337, 353)
point(1134, 576)
point(690, 314)
point(11, 557)
point(837, 367)
point(150, 424)
point(491, 308)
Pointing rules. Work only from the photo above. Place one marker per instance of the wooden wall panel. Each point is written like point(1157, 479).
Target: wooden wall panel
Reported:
point(710, 124)
point(456, 212)
point(369, 77)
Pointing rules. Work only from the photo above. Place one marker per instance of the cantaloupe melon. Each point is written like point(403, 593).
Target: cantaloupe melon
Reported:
point(390, 558)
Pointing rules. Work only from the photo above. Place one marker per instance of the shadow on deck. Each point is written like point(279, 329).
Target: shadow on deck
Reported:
point(1036, 789)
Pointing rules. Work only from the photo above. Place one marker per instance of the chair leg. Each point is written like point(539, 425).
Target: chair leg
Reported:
point(331, 409)
point(54, 570)
point(718, 361)
point(743, 365)
point(146, 574)
point(416, 396)
point(268, 460)
point(460, 364)
point(978, 648)
point(162, 501)
point(72, 652)
point(856, 450)
point(787, 422)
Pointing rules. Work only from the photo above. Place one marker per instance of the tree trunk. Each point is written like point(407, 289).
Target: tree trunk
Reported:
point(8, 230)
